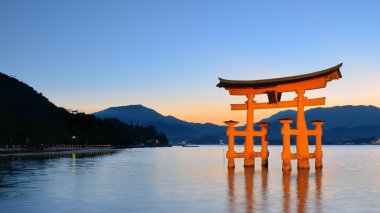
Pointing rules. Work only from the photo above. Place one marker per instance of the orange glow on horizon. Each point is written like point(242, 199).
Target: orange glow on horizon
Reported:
point(218, 114)
point(199, 115)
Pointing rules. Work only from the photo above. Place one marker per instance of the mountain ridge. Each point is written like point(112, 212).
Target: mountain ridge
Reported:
point(365, 115)
point(342, 120)
point(179, 130)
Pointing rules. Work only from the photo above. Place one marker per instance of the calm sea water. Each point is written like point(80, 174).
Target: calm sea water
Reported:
point(183, 180)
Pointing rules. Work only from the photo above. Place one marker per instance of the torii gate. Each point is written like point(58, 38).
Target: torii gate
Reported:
point(274, 89)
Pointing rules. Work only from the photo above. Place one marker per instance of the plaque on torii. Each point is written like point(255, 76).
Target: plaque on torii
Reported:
point(274, 88)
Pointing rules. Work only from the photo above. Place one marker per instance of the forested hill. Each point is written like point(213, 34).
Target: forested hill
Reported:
point(29, 119)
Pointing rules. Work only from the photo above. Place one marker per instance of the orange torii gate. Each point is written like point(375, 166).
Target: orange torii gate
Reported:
point(274, 89)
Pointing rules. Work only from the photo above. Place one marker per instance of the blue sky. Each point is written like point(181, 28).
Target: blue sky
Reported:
point(167, 55)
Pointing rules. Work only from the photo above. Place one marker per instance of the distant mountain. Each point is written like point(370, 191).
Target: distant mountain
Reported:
point(137, 114)
point(30, 120)
point(338, 116)
point(177, 130)
point(340, 122)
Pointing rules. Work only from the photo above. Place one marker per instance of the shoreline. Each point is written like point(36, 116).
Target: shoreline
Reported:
point(51, 152)
point(22, 153)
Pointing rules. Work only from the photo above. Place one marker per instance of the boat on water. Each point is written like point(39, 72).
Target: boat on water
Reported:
point(189, 145)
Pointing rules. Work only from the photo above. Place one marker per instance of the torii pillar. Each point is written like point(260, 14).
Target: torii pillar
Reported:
point(274, 88)
point(302, 141)
point(249, 159)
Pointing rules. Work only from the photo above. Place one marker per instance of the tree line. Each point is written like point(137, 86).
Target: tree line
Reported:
point(29, 119)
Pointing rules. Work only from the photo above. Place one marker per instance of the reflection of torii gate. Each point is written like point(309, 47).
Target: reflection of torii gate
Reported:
point(274, 89)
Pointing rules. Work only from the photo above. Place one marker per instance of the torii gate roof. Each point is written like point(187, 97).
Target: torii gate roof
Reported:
point(330, 74)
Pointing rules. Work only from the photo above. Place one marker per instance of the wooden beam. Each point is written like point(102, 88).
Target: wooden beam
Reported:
point(257, 154)
point(242, 91)
point(311, 84)
point(239, 155)
point(282, 104)
point(286, 104)
point(238, 106)
point(295, 155)
point(312, 155)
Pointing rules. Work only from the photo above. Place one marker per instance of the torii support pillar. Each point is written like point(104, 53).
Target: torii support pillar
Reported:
point(264, 144)
point(302, 137)
point(318, 143)
point(249, 158)
point(231, 143)
point(286, 154)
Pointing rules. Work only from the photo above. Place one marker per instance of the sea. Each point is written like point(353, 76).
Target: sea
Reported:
point(189, 179)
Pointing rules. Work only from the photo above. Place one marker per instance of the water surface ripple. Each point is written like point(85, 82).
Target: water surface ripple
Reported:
point(196, 179)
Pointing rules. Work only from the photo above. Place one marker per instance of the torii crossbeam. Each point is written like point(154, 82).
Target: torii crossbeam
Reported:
point(274, 88)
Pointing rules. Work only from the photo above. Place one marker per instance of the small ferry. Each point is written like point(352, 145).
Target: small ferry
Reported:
point(189, 145)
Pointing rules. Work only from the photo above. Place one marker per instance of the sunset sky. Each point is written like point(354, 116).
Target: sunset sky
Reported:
point(167, 55)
